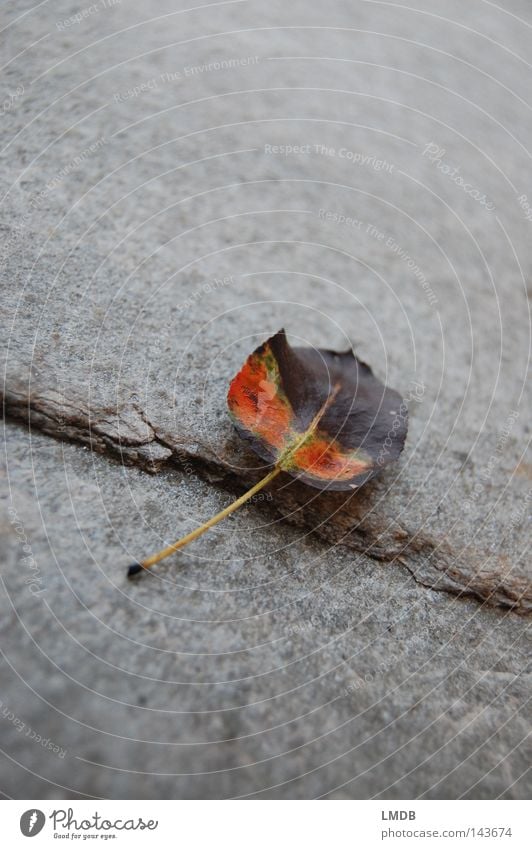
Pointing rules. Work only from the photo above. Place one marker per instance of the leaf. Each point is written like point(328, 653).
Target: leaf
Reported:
point(319, 415)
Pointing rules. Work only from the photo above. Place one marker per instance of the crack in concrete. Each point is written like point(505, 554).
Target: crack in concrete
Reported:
point(431, 563)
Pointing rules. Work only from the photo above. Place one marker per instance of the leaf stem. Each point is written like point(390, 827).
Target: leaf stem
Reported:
point(135, 568)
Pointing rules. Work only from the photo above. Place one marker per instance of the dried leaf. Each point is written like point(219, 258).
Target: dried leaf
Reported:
point(322, 417)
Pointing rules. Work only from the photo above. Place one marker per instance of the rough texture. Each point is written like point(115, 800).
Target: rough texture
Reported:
point(373, 521)
point(174, 189)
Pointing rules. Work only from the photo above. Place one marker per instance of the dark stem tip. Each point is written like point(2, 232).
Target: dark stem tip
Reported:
point(134, 569)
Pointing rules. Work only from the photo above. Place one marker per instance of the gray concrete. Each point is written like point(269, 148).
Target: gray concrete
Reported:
point(154, 229)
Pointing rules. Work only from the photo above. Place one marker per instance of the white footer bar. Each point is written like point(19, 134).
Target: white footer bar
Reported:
point(267, 824)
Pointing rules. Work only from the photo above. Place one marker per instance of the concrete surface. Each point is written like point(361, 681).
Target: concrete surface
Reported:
point(174, 189)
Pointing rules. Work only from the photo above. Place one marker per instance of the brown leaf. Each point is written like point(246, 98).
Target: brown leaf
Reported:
point(319, 415)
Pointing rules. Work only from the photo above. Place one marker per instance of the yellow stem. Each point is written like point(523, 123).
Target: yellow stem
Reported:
point(155, 558)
